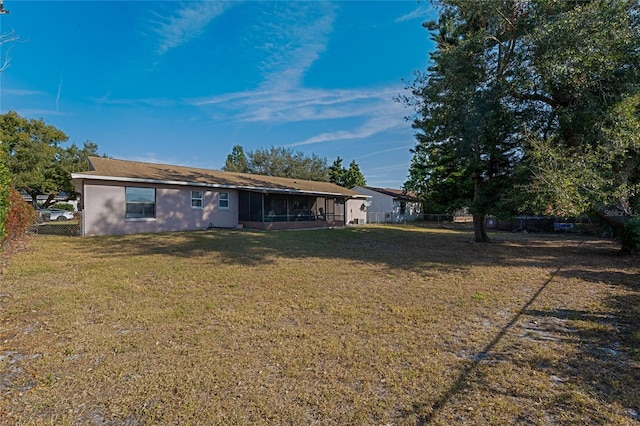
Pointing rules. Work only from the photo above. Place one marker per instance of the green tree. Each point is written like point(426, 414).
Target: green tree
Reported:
point(236, 161)
point(467, 137)
point(337, 172)
point(353, 176)
point(439, 177)
point(37, 162)
point(5, 181)
point(285, 162)
point(347, 178)
point(535, 101)
point(281, 162)
point(578, 66)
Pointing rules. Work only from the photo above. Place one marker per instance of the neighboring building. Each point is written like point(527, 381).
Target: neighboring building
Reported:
point(128, 197)
point(62, 197)
point(390, 205)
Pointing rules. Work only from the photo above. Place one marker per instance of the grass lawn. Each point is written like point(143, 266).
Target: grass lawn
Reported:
point(377, 325)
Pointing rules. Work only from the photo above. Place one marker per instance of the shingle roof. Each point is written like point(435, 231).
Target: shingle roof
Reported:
point(134, 171)
point(398, 194)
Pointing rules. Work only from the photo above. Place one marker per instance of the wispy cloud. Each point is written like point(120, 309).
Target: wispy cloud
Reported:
point(289, 37)
point(148, 102)
point(59, 93)
point(39, 112)
point(373, 108)
point(300, 104)
point(420, 12)
point(385, 151)
point(292, 37)
point(186, 21)
point(21, 92)
point(371, 127)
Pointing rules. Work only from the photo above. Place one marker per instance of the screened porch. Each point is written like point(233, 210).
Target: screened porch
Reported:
point(289, 211)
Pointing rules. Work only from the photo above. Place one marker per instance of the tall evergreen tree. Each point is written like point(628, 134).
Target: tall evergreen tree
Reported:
point(336, 172)
point(467, 137)
point(236, 161)
point(347, 178)
point(353, 176)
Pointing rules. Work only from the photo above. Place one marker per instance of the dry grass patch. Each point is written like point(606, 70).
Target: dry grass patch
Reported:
point(373, 325)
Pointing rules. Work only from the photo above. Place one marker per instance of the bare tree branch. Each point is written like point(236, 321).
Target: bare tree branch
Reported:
point(5, 38)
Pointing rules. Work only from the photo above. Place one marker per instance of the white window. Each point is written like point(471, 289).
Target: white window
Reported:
point(140, 203)
point(223, 201)
point(196, 199)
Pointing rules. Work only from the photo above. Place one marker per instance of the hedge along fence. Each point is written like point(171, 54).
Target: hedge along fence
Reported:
point(631, 235)
point(20, 216)
point(4, 194)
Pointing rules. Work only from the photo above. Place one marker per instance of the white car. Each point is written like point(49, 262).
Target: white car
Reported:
point(60, 215)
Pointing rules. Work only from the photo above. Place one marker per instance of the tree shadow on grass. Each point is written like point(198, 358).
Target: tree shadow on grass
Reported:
point(607, 364)
point(607, 342)
point(462, 381)
point(408, 248)
point(608, 361)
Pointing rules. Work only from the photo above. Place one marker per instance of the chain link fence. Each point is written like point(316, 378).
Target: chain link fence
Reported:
point(62, 227)
point(388, 217)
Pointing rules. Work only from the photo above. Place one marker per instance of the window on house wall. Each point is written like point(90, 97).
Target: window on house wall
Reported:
point(140, 203)
point(403, 208)
point(196, 199)
point(223, 201)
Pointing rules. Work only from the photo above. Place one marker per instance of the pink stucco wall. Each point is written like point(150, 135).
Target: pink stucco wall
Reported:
point(104, 210)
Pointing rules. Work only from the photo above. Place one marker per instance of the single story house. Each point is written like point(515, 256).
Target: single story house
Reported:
point(127, 197)
point(387, 205)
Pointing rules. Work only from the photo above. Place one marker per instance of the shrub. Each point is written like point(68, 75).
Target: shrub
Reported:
point(63, 206)
point(4, 194)
point(631, 235)
point(19, 217)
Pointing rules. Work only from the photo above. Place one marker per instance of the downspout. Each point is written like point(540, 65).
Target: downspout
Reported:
point(261, 209)
point(82, 207)
point(344, 211)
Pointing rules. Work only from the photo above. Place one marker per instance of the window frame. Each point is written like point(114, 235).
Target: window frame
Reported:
point(222, 198)
point(200, 199)
point(130, 216)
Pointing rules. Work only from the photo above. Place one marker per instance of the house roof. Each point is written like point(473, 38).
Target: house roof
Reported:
point(138, 172)
point(397, 194)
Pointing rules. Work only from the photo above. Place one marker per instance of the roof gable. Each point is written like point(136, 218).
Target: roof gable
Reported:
point(397, 194)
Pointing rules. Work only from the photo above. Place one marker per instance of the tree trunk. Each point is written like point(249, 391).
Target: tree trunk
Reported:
point(615, 216)
point(49, 201)
point(479, 222)
point(480, 228)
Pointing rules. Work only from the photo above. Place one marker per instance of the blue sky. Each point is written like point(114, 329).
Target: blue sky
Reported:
point(183, 82)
